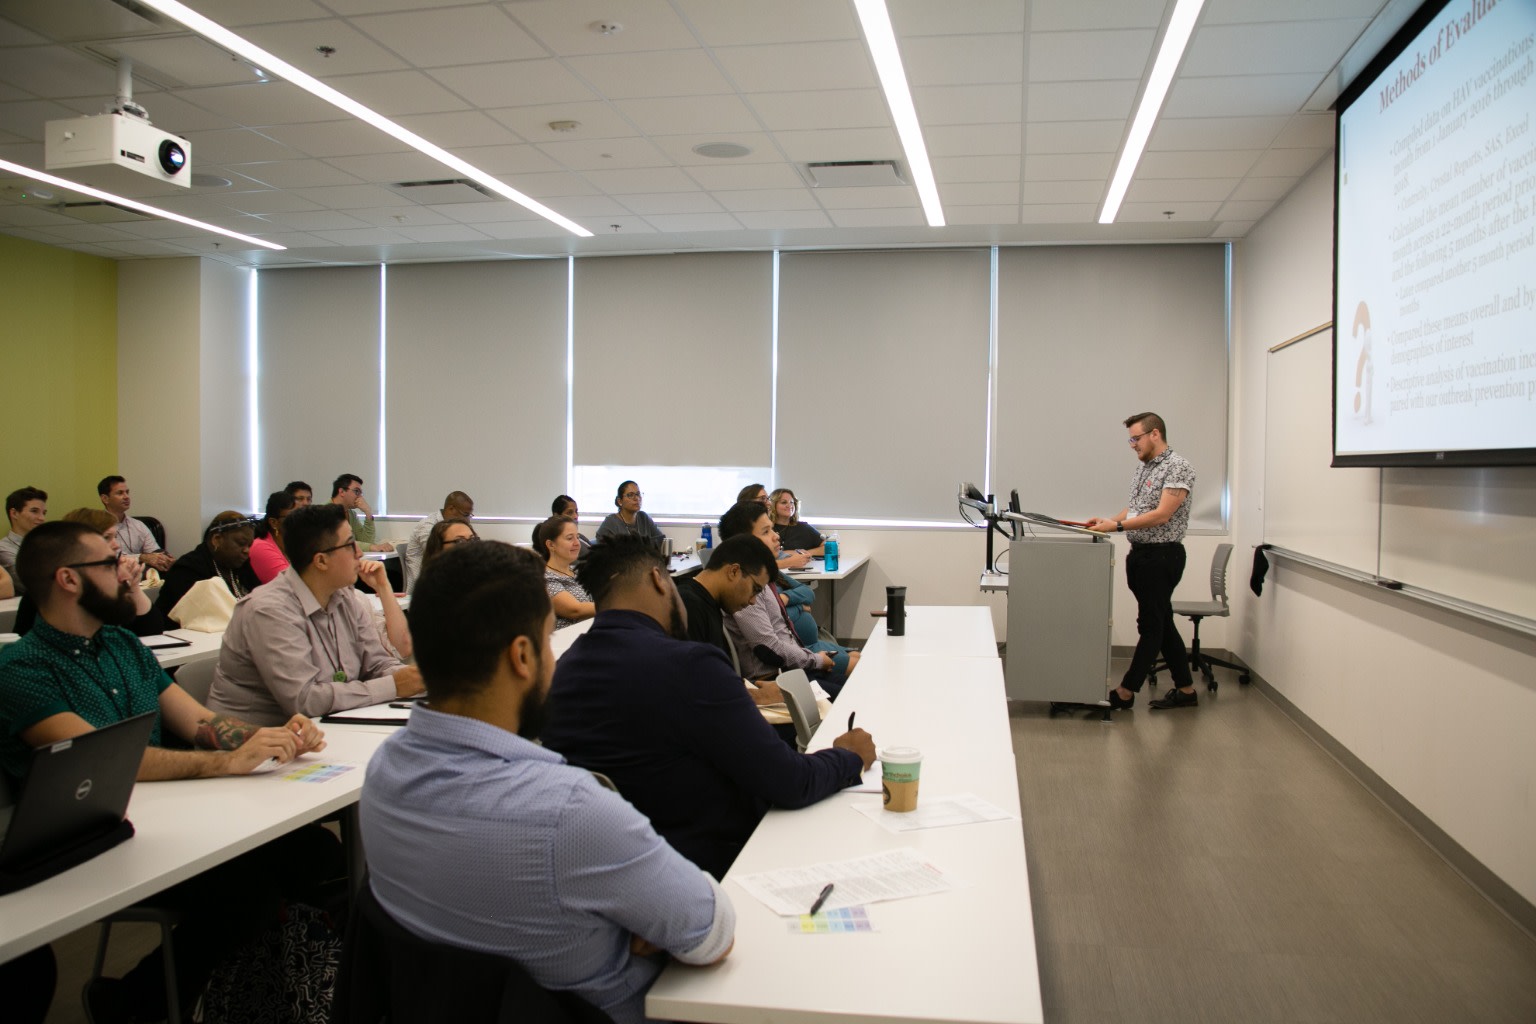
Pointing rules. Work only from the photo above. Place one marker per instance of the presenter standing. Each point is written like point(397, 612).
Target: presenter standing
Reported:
point(1154, 520)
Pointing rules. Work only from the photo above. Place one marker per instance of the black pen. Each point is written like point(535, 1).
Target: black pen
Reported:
point(850, 720)
point(826, 891)
point(402, 705)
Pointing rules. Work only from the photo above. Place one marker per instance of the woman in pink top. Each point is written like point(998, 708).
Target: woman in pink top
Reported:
point(267, 557)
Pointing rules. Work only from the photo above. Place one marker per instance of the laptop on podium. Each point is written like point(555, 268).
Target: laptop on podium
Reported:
point(74, 803)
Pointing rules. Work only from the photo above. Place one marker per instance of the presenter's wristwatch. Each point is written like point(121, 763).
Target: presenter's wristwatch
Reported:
point(1120, 526)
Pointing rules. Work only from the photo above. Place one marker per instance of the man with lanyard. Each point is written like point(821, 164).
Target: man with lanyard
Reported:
point(1154, 520)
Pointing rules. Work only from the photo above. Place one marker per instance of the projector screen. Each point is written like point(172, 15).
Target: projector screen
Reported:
point(1434, 358)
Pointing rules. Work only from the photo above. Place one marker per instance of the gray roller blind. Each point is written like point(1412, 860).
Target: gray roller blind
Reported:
point(1088, 335)
point(673, 360)
point(318, 390)
point(476, 386)
point(882, 379)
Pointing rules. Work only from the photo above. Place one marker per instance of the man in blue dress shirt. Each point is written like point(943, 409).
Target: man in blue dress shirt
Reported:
point(477, 837)
point(669, 722)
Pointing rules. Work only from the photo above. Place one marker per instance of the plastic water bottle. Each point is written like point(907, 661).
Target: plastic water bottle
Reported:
point(829, 552)
point(709, 537)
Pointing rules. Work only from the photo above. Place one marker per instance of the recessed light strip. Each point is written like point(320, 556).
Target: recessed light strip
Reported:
point(132, 204)
point(1180, 27)
point(273, 65)
point(881, 39)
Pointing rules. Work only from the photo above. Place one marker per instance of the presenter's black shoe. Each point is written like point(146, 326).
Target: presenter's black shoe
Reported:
point(1119, 703)
point(1175, 698)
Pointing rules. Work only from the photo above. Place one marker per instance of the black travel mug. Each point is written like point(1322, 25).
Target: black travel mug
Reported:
point(896, 611)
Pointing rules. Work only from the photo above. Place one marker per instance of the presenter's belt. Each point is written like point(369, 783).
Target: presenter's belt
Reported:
point(1158, 544)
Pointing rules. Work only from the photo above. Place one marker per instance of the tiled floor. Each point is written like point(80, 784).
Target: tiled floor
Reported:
point(1214, 864)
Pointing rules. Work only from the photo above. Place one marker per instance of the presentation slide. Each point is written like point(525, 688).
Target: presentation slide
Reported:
point(1435, 318)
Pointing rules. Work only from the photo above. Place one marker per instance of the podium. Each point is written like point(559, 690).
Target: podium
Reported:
point(1060, 593)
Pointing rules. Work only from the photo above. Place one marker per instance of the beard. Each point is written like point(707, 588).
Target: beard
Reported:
point(535, 708)
point(114, 610)
point(677, 626)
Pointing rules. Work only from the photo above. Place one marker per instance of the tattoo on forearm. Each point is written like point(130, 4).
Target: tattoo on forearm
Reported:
point(222, 732)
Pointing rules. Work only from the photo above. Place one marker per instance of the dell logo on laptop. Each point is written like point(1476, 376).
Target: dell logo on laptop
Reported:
point(83, 790)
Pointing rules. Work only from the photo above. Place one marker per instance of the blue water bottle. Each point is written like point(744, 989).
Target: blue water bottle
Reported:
point(829, 553)
point(709, 537)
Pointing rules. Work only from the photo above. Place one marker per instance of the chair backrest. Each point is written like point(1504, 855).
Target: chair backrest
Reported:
point(196, 677)
point(405, 568)
point(802, 704)
point(156, 530)
point(1219, 562)
point(389, 973)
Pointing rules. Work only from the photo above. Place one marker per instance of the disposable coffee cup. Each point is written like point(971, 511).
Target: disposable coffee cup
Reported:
point(900, 769)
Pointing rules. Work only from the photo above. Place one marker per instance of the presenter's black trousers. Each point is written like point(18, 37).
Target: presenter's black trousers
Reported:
point(1152, 571)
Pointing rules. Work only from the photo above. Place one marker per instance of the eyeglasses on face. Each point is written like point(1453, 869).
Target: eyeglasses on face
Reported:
point(459, 540)
point(1136, 437)
point(350, 542)
point(110, 562)
point(631, 494)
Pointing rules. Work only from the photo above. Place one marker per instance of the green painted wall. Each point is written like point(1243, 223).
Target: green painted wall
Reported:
point(58, 364)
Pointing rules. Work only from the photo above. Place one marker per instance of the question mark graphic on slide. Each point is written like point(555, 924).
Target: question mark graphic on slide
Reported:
point(1364, 371)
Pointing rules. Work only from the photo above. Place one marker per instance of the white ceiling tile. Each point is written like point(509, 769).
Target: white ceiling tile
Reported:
point(517, 83)
point(298, 43)
point(175, 114)
point(767, 200)
point(558, 183)
point(567, 26)
point(234, 13)
point(743, 22)
point(876, 197)
point(1068, 15)
point(27, 117)
point(1090, 56)
point(1272, 189)
point(237, 146)
point(1074, 136)
point(334, 138)
point(1165, 190)
point(796, 67)
point(1233, 228)
point(926, 18)
point(349, 197)
point(633, 182)
point(363, 236)
point(678, 222)
point(1144, 213)
point(669, 202)
point(19, 215)
point(263, 203)
point(148, 248)
point(1275, 48)
point(1005, 214)
point(187, 59)
point(877, 218)
point(1286, 163)
point(388, 167)
point(679, 149)
point(1178, 133)
point(687, 115)
point(963, 60)
point(625, 225)
point(968, 104)
point(597, 120)
point(991, 193)
point(1239, 95)
point(1081, 101)
point(1065, 192)
point(631, 75)
point(522, 159)
point(972, 139)
point(483, 214)
point(1232, 163)
point(441, 233)
point(323, 220)
point(1244, 209)
point(604, 154)
point(976, 168)
point(405, 214)
point(857, 144)
point(56, 71)
point(801, 111)
point(261, 103)
point(1225, 12)
point(459, 129)
point(299, 173)
point(394, 93)
point(591, 206)
point(763, 221)
point(1307, 131)
point(746, 176)
point(1068, 166)
point(455, 35)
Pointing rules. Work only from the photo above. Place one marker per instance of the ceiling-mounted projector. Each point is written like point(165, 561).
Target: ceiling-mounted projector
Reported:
point(116, 152)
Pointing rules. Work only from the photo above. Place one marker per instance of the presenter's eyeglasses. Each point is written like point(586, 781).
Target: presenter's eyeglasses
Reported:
point(1136, 437)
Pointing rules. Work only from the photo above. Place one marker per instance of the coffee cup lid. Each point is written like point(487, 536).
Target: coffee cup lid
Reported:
point(901, 755)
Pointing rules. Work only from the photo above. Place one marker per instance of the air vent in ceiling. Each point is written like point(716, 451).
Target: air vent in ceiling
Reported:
point(853, 173)
point(447, 190)
point(102, 213)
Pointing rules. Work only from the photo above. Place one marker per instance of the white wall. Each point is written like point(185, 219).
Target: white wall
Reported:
point(224, 397)
point(1441, 707)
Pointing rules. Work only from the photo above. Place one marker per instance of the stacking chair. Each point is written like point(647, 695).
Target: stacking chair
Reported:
point(802, 704)
point(1217, 607)
point(196, 677)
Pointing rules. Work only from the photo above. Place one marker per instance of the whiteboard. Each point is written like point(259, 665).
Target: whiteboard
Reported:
point(1308, 506)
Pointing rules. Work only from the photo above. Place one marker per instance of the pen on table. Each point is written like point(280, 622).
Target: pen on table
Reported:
point(826, 891)
point(402, 704)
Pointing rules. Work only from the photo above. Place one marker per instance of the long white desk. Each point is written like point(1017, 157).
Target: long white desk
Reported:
point(183, 828)
point(204, 647)
point(966, 955)
point(8, 608)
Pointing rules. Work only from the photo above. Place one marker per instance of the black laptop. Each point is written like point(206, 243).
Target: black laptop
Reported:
point(73, 804)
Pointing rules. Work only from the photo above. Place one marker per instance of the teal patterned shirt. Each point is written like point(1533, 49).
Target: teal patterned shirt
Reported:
point(103, 679)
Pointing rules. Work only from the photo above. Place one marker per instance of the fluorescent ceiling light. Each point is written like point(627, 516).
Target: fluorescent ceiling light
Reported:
point(1180, 26)
point(273, 65)
point(881, 38)
point(132, 204)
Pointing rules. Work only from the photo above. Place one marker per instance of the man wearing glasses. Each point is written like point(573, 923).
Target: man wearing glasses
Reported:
point(1154, 520)
point(347, 491)
point(306, 642)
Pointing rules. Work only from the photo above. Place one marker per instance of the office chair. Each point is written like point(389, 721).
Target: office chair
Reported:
point(156, 530)
point(1218, 608)
point(390, 974)
point(802, 704)
point(161, 917)
point(196, 677)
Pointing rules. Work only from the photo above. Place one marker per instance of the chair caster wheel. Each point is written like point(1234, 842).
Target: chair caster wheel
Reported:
point(1245, 679)
point(1210, 687)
